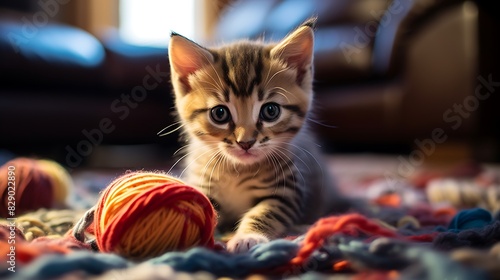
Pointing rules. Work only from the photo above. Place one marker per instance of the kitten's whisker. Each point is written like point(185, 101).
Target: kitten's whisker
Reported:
point(285, 158)
point(219, 157)
point(274, 75)
point(278, 160)
point(235, 168)
point(180, 149)
point(293, 164)
point(307, 152)
point(320, 123)
point(282, 94)
point(175, 163)
point(209, 161)
point(211, 89)
point(313, 157)
point(281, 148)
point(209, 62)
point(268, 72)
point(180, 159)
point(183, 157)
point(295, 155)
point(199, 156)
point(283, 89)
point(275, 163)
point(216, 88)
point(161, 132)
point(216, 73)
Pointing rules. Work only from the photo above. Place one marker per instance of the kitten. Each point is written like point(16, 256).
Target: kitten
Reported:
point(244, 111)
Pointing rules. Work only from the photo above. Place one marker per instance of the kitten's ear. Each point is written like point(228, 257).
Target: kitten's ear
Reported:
point(296, 49)
point(186, 57)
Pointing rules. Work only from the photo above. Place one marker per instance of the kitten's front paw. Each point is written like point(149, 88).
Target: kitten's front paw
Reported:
point(241, 243)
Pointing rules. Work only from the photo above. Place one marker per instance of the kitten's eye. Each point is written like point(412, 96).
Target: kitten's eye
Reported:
point(270, 112)
point(220, 114)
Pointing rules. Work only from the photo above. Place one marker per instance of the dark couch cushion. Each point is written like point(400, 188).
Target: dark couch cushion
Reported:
point(49, 54)
point(127, 65)
point(342, 54)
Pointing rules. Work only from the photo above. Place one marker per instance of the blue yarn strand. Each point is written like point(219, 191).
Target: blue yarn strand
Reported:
point(260, 257)
point(52, 266)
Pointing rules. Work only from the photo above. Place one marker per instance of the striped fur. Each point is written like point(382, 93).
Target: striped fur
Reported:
point(263, 175)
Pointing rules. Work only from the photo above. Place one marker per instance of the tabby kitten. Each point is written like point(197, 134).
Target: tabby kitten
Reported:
point(244, 110)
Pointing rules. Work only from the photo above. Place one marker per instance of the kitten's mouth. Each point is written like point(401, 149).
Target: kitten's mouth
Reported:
point(245, 156)
point(245, 153)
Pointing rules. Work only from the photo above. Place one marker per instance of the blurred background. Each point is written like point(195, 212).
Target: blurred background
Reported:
point(86, 82)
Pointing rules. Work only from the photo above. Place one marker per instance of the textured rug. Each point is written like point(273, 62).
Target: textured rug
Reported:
point(424, 223)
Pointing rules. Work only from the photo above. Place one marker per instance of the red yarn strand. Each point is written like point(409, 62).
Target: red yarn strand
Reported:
point(326, 227)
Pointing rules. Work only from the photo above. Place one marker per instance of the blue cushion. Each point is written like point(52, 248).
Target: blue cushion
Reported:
point(51, 43)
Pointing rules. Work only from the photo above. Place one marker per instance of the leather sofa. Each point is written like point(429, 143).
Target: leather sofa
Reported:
point(388, 73)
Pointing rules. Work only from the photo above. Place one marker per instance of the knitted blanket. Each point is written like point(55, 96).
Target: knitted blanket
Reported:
point(429, 225)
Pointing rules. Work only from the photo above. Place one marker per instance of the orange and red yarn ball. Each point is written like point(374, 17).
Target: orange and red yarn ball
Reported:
point(145, 214)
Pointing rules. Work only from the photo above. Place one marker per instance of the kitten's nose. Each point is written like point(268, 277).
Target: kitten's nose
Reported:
point(246, 145)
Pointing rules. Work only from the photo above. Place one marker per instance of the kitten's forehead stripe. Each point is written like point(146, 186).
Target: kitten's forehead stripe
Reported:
point(258, 72)
point(225, 72)
point(242, 68)
point(226, 95)
point(260, 95)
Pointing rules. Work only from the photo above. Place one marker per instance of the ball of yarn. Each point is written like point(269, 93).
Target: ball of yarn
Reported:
point(60, 178)
point(145, 214)
point(471, 218)
point(29, 184)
